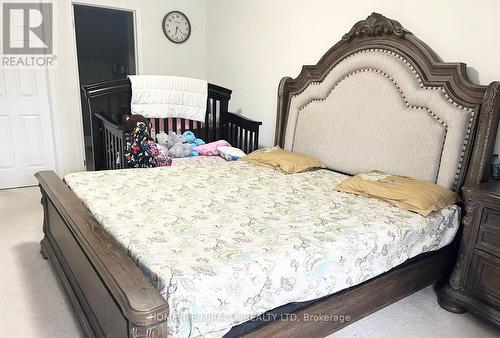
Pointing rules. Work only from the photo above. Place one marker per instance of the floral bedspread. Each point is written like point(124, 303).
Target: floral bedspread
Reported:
point(227, 241)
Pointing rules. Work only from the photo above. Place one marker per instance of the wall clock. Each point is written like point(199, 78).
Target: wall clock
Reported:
point(176, 27)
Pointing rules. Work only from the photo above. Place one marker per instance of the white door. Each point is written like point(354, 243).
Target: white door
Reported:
point(25, 125)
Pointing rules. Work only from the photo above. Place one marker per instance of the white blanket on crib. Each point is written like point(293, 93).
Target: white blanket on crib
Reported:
point(158, 96)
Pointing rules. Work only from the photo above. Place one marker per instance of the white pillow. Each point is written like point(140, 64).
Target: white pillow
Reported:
point(230, 153)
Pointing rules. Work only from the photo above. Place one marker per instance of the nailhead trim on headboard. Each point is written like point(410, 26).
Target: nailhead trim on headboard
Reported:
point(400, 92)
point(386, 76)
point(471, 110)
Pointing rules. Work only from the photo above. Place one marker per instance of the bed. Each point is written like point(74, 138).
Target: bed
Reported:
point(285, 255)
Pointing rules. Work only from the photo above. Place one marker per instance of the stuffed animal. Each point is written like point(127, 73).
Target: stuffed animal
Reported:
point(172, 139)
point(192, 153)
point(137, 152)
point(131, 122)
point(178, 145)
point(162, 140)
point(180, 150)
point(189, 138)
point(161, 158)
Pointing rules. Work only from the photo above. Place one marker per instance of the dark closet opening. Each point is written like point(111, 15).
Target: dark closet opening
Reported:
point(106, 51)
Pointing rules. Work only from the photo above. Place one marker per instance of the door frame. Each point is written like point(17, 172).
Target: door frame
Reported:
point(108, 4)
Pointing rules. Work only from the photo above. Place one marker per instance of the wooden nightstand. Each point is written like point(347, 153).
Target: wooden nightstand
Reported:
point(474, 284)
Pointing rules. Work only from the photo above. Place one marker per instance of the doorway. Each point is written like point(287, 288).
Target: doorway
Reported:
point(26, 124)
point(106, 50)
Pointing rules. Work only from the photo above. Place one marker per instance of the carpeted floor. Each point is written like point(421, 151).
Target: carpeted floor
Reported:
point(32, 302)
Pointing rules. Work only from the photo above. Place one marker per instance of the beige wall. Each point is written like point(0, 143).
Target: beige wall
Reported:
point(156, 55)
point(252, 44)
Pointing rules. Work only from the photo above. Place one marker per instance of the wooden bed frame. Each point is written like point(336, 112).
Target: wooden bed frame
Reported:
point(112, 297)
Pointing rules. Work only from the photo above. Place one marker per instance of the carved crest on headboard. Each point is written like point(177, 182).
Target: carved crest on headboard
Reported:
point(375, 24)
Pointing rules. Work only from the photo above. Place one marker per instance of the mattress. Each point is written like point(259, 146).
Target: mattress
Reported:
point(227, 241)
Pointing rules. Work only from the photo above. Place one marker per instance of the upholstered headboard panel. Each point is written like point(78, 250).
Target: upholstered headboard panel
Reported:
point(373, 112)
point(381, 100)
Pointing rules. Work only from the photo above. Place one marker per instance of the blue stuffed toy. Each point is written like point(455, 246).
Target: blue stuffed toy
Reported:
point(189, 138)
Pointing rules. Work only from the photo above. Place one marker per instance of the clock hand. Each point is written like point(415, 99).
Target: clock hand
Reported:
point(177, 29)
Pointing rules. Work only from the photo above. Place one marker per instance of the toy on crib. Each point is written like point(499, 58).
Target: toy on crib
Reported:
point(177, 145)
point(161, 158)
point(191, 139)
point(173, 139)
point(137, 153)
point(172, 144)
point(180, 150)
point(142, 152)
point(131, 122)
point(162, 140)
point(210, 149)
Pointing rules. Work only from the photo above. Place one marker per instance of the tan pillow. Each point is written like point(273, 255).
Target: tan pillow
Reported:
point(405, 192)
point(283, 160)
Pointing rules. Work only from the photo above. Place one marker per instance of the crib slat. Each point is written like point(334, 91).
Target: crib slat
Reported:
point(225, 131)
point(214, 119)
point(113, 146)
point(111, 139)
point(223, 107)
point(115, 151)
point(157, 125)
point(207, 120)
point(245, 143)
point(235, 135)
point(183, 125)
point(240, 142)
point(107, 148)
point(256, 140)
point(161, 127)
point(250, 142)
point(120, 155)
point(112, 152)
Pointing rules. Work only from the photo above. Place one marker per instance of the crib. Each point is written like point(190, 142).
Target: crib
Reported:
point(108, 104)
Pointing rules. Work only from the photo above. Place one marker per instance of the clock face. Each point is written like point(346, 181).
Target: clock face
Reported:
point(176, 27)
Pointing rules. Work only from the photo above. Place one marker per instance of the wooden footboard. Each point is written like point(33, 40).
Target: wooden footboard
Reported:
point(109, 294)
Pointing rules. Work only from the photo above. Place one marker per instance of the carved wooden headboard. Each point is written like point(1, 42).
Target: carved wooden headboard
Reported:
point(381, 99)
